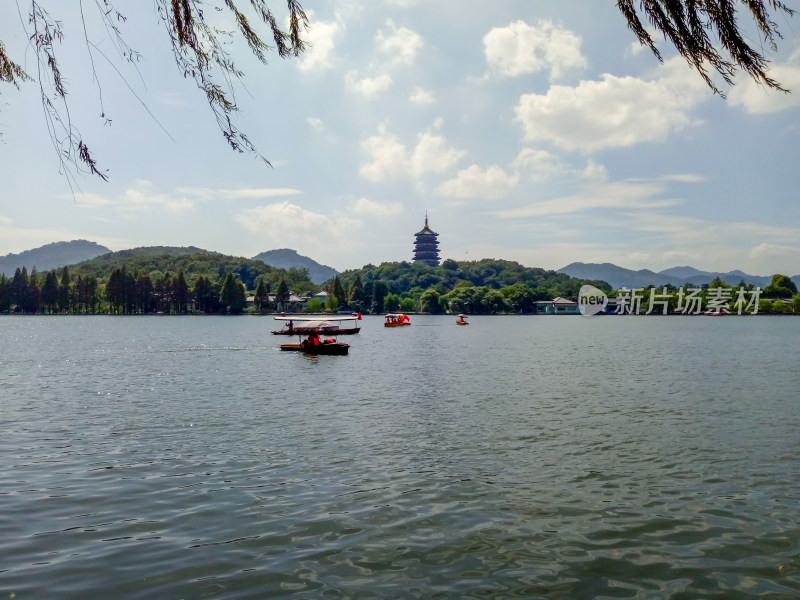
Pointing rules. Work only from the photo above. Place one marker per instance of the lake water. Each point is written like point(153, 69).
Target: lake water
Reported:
point(519, 457)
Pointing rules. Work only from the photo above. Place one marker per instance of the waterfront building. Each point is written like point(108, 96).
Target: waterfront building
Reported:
point(426, 246)
point(557, 306)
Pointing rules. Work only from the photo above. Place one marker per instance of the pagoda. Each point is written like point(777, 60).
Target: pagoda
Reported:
point(426, 246)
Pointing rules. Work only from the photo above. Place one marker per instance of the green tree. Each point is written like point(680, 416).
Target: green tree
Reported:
point(518, 296)
point(391, 303)
point(18, 290)
point(337, 291)
point(282, 293)
point(144, 291)
point(717, 283)
point(180, 293)
point(232, 295)
point(429, 301)
point(50, 292)
point(65, 292)
point(379, 291)
point(205, 296)
point(5, 293)
point(795, 303)
point(314, 306)
point(33, 298)
point(261, 296)
point(781, 286)
point(115, 295)
point(408, 304)
point(85, 294)
point(357, 298)
point(297, 276)
point(331, 303)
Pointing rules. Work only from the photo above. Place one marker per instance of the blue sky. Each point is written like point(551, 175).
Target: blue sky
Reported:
point(539, 132)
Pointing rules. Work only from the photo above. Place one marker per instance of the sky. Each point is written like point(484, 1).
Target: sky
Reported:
point(539, 132)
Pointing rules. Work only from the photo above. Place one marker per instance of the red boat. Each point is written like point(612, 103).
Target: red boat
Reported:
point(396, 320)
point(324, 347)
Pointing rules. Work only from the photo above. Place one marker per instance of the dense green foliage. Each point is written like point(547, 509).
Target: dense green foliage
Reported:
point(150, 280)
point(781, 286)
point(194, 263)
point(185, 280)
point(486, 286)
point(188, 280)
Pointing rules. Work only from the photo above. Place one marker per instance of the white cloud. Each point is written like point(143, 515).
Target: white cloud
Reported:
point(321, 37)
point(400, 44)
point(758, 99)
point(320, 129)
point(767, 250)
point(89, 200)
point(630, 195)
point(771, 258)
point(367, 86)
point(433, 155)
point(140, 200)
point(530, 164)
point(259, 192)
point(613, 112)
point(520, 49)
point(594, 172)
point(380, 210)
point(693, 230)
point(5, 221)
point(389, 158)
point(288, 224)
point(475, 182)
point(421, 96)
point(538, 164)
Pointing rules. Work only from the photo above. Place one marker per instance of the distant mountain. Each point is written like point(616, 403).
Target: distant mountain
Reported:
point(616, 277)
point(290, 259)
point(696, 277)
point(619, 277)
point(51, 256)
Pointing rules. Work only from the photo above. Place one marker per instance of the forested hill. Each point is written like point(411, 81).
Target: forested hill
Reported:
point(156, 261)
point(403, 277)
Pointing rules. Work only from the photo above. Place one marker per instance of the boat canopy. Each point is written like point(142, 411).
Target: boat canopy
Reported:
point(309, 326)
point(319, 319)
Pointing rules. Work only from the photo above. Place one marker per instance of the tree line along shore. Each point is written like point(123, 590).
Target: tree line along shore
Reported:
point(212, 283)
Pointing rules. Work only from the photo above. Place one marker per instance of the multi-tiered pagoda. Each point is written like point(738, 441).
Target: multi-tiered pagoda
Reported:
point(426, 246)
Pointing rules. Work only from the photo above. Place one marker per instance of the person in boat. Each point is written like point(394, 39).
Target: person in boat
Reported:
point(313, 338)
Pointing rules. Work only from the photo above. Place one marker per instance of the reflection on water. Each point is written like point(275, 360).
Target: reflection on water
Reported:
point(550, 457)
